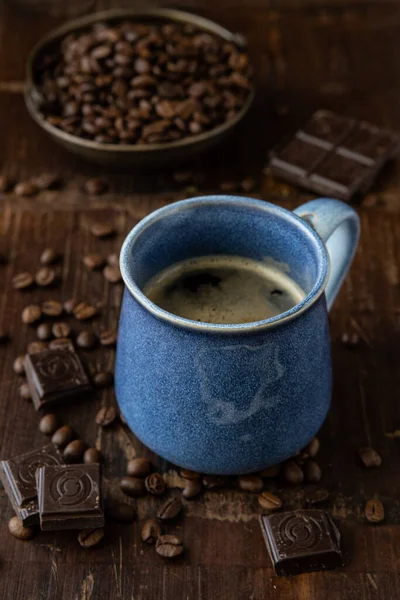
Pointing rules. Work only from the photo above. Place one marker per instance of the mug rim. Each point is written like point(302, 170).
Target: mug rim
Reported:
point(315, 293)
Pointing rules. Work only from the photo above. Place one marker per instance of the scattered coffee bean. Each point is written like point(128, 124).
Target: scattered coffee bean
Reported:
point(61, 330)
point(122, 512)
point(95, 186)
point(17, 529)
point(292, 472)
point(61, 343)
point(70, 305)
point(26, 188)
point(169, 546)
point(374, 511)
point(103, 379)
point(106, 416)
point(18, 366)
point(45, 277)
point(139, 467)
point(312, 449)
point(133, 486)
point(150, 531)
point(73, 452)
point(22, 281)
point(86, 339)
point(183, 176)
point(113, 260)
point(48, 257)
point(44, 331)
point(228, 186)
point(193, 488)
point(271, 472)
point(31, 314)
point(92, 455)
point(36, 347)
point(88, 538)
point(52, 308)
point(188, 474)
point(112, 274)
point(350, 340)
point(83, 311)
point(250, 483)
point(62, 436)
point(155, 484)
point(24, 391)
point(312, 471)
point(108, 337)
point(49, 424)
point(170, 509)
point(93, 261)
point(101, 230)
point(5, 184)
point(269, 501)
point(248, 184)
point(369, 457)
point(316, 496)
point(212, 482)
point(48, 181)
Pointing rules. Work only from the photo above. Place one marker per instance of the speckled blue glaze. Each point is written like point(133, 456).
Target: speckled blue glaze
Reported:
point(231, 398)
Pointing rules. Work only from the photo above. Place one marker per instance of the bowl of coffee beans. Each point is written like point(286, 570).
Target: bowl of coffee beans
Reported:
point(139, 87)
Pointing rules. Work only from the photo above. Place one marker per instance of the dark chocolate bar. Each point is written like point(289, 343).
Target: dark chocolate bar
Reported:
point(18, 477)
point(335, 155)
point(69, 497)
point(55, 375)
point(301, 541)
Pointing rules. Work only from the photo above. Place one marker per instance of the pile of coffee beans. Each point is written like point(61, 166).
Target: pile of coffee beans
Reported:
point(137, 83)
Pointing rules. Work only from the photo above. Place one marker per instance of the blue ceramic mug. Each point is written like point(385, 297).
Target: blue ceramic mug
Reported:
point(231, 398)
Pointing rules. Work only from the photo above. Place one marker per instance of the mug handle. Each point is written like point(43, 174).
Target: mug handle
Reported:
point(338, 225)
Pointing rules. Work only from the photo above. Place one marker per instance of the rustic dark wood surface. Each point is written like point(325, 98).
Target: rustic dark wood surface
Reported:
point(307, 54)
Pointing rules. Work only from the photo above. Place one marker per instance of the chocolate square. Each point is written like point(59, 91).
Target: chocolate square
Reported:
point(69, 497)
point(301, 541)
point(55, 375)
point(18, 477)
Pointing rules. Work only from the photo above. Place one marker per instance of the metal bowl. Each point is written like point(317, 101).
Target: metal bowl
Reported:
point(131, 155)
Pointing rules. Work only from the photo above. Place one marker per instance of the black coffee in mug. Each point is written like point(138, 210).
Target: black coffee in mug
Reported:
point(224, 289)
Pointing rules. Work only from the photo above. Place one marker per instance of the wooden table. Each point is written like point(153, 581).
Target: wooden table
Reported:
point(309, 54)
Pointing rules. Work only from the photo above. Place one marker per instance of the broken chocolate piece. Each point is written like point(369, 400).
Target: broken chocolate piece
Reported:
point(301, 541)
point(18, 477)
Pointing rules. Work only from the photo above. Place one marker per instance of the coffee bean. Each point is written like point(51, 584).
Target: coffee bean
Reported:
point(65, 343)
point(61, 330)
point(250, 483)
point(170, 509)
point(183, 176)
point(212, 482)
point(113, 260)
point(93, 261)
point(5, 184)
point(374, 511)
point(350, 340)
point(188, 474)
point(31, 314)
point(73, 452)
point(52, 308)
point(108, 337)
point(44, 331)
point(49, 424)
point(62, 436)
point(112, 274)
point(312, 471)
point(133, 486)
point(101, 230)
point(169, 546)
point(24, 391)
point(369, 457)
point(269, 501)
point(18, 365)
point(88, 538)
point(248, 184)
point(17, 529)
point(106, 416)
point(316, 496)
point(271, 472)
point(103, 379)
point(83, 311)
point(36, 347)
point(48, 181)
point(45, 277)
point(86, 339)
point(150, 531)
point(139, 467)
point(26, 188)
point(292, 472)
point(193, 488)
point(22, 281)
point(312, 449)
point(70, 305)
point(92, 455)
point(121, 512)
point(48, 257)
point(155, 484)
point(228, 186)
point(95, 186)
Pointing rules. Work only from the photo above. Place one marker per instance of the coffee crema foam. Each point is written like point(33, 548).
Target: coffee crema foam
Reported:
point(223, 290)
